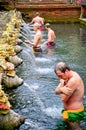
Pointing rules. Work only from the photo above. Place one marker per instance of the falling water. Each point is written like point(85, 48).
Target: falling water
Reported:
point(51, 111)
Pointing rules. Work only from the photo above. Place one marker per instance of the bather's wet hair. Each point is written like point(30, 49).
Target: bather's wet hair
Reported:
point(47, 25)
point(62, 67)
point(37, 14)
point(37, 25)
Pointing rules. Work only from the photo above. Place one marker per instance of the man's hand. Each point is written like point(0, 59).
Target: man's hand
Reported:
point(62, 82)
point(27, 41)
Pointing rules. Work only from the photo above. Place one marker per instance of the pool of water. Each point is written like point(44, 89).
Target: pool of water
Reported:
point(35, 99)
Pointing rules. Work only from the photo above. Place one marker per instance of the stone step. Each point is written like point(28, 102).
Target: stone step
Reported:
point(40, 3)
point(27, 6)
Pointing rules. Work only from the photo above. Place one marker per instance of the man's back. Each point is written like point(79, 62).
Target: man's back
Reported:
point(38, 38)
point(51, 35)
point(39, 20)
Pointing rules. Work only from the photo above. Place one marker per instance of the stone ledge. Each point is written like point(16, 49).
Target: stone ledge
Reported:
point(70, 6)
point(40, 3)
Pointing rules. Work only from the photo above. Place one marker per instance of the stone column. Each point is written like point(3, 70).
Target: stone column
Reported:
point(83, 9)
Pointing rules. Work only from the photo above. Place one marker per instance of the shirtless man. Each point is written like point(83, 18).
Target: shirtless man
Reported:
point(37, 40)
point(51, 36)
point(71, 88)
point(38, 19)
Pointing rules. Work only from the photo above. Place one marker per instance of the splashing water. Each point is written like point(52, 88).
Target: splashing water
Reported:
point(44, 70)
point(33, 124)
point(28, 52)
point(37, 99)
point(53, 112)
point(38, 59)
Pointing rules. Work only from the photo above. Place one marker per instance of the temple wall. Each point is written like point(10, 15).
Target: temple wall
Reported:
point(52, 13)
point(51, 10)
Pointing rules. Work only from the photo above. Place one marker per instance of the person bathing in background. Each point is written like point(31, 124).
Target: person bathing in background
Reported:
point(37, 39)
point(51, 36)
point(38, 19)
point(71, 88)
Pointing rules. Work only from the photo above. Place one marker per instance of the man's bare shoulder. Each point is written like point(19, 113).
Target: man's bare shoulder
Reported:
point(38, 34)
point(75, 81)
point(76, 76)
point(34, 19)
point(51, 31)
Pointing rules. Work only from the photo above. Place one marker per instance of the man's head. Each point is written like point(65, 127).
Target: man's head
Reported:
point(36, 26)
point(47, 25)
point(37, 14)
point(62, 70)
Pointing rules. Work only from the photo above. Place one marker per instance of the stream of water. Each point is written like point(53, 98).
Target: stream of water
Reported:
point(35, 99)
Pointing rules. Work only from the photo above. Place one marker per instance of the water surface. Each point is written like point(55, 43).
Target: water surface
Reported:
point(35, 99)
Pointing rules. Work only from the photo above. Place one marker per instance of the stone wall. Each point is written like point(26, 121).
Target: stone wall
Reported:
point(52, 13)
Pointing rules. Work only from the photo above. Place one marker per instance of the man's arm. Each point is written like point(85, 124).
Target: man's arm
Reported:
point(36, 39)
point(71, 86)
point(65, 91)
point(27, 41)
point(58, 89)
point(32, 22)
point(42, 21)
point(49, 38)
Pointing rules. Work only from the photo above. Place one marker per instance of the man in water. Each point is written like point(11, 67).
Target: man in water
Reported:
point(71, 88)
point(38, 19)
point(37, 39)
point(51, 36)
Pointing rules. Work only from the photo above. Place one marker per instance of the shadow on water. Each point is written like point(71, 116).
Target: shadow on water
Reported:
point(35, 99)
